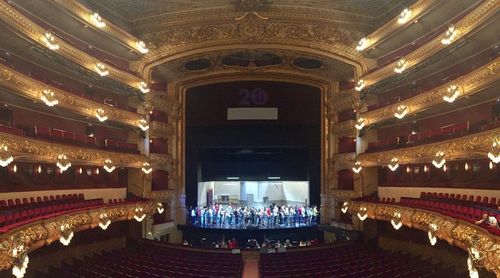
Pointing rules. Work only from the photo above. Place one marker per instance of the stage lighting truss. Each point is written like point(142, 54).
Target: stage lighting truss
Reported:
point(360, 123)
point(396, 221)
point(139, 214)
point(104, 221)
point(49, 98)
point(146, 168)
point(393, 164)
point(401, 111)
point(143, 124)
point(362, 213)
point(452, 92)
point(108, 166)
point(357, 167)
point(363, 44)
point(431, 233)
point(66, 234)
point(20, 261)
point(6, 157)
point(50, 41)
point(344, 207)
point(63, 162)
point(400, 66)
point(450, 35)
point(160, 208)
point(439, 160)
point(494, 153)
point(360, 85)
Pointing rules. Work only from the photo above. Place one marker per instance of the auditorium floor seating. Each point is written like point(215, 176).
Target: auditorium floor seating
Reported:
point(18, 212)
point(347, 261)
point(153, 260)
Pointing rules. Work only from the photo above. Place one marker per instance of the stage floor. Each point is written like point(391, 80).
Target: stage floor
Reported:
point(253, 227)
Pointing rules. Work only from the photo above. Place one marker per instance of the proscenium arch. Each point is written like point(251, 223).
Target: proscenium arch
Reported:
point(148, 63)
point(180, 88)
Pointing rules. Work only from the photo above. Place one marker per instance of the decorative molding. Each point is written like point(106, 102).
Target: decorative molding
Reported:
point(160, 130)
point(452, 230)
point(471, 146)
point(464, 26)
point(418, 9)
point(38, 150)
point(469, 84)
point(344, 128)
point(83, 13)
point(344, 195)
point(343, 161)
point(27, 27)
point(37, 234)
point(30, 88)
point(344, 100)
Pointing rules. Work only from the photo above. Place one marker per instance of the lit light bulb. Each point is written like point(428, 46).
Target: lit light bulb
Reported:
point(101, 69)
point(432, 238)
point(405, 16)
point(50, 41)
point(66, 235)
point(357, 167)
point(96, 19)
point(363, 44)
point(6, 157)
point(360, 85)
point(143, 86)
point(344, 207)
point(362, 214)
point(452, 93)
point(494, 153)
point(360, 123)
point(139, 214)
point(108, 166)
point(396, 221)
point(141, 46)
point(146, 168)
point(160, 208)
point(401, 112)
point(62, 162)
point(394, 164)
point(439, 160)
point(49, 98)
point(101, 115)
point(400, 66)
point(450, 35)
point(143, 124)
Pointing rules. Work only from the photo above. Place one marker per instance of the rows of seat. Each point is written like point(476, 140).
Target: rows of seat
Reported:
point(344, 261)
point(427, 136)
point(68, 137)
point(18, 202)
point(16, 214)
point(484, 200)
point(150, 260)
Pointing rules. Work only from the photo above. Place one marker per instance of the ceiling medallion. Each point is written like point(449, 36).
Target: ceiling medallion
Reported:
point(251, 25)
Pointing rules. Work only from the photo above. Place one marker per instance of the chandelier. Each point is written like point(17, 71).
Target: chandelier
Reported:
point(5, 156)
point(143, 124)
point(63, 162)
point(405, 16)
point(20, 261)
point(494, 153)
point(360, 123)
point(139, 214)
point(108, 166)
point(357, 167)
point(360, 85)
point(49, 98)
point(146, 168)
point(50, 41)
point(101, 115)
point(393, 164)
point(143, 86)
point(400, 66)
point(104, 221)
point(431, 233)
point(401, 112)
point(452, 93)
point(160, 208)
point(396, 221)
point(101, 69)
point(450, 35)
point(96, 19)
point(439, 160)
point(362, 213)
point(66, 234)
point(141, 46)
point(363, 44)
point(344, 207)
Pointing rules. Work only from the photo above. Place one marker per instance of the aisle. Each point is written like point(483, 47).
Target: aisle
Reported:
point(251, 269)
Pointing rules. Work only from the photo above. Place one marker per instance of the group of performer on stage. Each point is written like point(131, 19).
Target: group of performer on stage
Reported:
point(219, 215)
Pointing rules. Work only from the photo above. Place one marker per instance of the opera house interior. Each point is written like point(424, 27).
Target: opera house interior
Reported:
point(249, 138)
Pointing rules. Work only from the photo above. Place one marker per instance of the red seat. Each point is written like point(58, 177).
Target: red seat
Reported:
point(478, 199)
point(471, 198)
point(3, 203)
point(458, 196)
point(32, 200)
point(25, 201)
point(440, 195)
point(448, 130)
point(10, 202)
point(436, 132)
point(446, 196)
point(18, 202)
point(493, 200)
point(485, 200)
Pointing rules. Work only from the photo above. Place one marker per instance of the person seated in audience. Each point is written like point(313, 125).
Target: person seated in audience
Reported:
point(488, 220)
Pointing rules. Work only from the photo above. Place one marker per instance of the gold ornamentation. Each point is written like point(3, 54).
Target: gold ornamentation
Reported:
point(344, 128)
point(469, 84)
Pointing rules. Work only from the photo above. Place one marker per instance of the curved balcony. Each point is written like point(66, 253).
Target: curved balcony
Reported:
point(37, 33)
point(463, 27)
point(469, 84)
point(463, 234)
point(18, 242)
point(33, 89)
